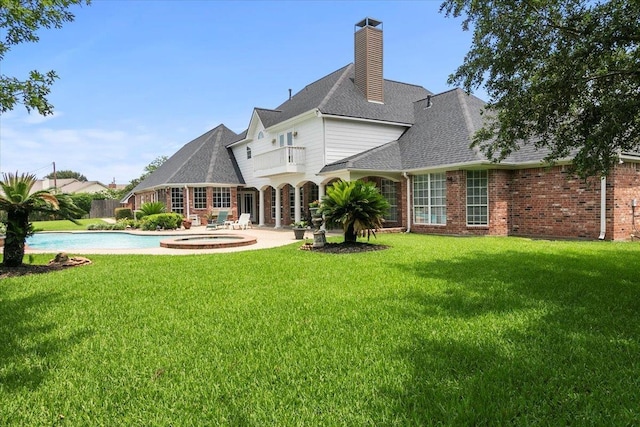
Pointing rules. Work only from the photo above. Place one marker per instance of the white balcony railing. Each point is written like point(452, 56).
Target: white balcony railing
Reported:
point(288, 159)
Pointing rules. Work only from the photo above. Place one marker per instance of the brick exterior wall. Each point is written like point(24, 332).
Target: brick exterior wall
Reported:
point(550, 202)
point(624, 183)
point(545, 202)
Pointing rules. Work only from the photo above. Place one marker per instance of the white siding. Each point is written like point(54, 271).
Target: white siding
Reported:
point(309, 135)
point(345, 138)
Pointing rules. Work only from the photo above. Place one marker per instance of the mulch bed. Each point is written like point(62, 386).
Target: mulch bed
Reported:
point(344, 248)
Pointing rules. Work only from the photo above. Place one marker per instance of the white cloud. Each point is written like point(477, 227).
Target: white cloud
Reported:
point(99, 154)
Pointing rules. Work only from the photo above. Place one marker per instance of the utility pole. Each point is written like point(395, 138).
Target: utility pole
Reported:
point(55, 178)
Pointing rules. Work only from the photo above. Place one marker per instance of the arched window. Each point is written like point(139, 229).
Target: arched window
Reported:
point(260, 135)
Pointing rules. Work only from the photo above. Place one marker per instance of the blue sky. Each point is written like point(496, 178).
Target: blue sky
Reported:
point(139, 79)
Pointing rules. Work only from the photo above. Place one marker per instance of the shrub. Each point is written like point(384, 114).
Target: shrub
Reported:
point(129, 223)
point(164, 221)
point(105, 226)
point(123, 213)
point(83, 201)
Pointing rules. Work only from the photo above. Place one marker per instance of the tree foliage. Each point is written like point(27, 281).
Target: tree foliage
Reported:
point(67, 174)
point(20, 22)
point(356, 205)
point(563, 75)
point(18, 204)
point(148, 170)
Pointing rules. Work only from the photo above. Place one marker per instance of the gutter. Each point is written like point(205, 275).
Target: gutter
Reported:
point(603, 207)
point(406, 176)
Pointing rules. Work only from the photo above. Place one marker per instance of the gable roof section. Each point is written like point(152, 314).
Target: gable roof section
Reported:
point(205, 160)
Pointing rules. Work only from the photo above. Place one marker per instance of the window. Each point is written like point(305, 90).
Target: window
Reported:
point(199, 198)
point(292, 202)
point(430, 199)
point(177, 200)
point(388, 191)
point(477, 198)
point(248, 152)
point(260, 135)
point(285, 137)
point(221, 197)
point(273, 203)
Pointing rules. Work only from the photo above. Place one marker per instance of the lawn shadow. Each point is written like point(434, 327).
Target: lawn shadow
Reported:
point(30, 346)
point(521, 337)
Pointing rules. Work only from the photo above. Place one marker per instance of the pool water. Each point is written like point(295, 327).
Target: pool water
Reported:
point(96, 240)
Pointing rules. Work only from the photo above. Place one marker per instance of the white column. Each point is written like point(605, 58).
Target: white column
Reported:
point(296, 205)
point(278, 210)
point(261, 210)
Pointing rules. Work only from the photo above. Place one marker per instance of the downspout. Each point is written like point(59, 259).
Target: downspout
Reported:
point(188, 211)
point(406, 176)
point(603, 207)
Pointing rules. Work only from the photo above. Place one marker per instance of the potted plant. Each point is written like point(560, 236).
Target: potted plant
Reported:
point(313, 208)
point(186, 223)
point(299, 229)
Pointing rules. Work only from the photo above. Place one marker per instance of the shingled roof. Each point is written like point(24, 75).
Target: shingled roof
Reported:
point(336, 94)
point(441, 136)
point(205, 160)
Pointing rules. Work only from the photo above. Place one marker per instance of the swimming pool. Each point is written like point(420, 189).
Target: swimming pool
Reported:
point(60, 241)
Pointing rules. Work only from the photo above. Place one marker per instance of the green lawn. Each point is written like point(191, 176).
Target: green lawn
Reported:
point(64, 225)
point(434, 331)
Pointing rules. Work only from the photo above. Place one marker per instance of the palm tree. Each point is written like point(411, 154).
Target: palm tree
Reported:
point(357, 205)
point(16, 201)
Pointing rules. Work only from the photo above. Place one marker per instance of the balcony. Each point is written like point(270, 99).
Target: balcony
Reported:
point(287, 159)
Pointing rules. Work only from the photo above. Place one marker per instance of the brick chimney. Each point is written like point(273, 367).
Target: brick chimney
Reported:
point(368, 59)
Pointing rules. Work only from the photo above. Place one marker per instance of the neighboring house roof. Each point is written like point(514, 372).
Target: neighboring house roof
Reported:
point(441, 135)
point(205, 160)
point(68, 185)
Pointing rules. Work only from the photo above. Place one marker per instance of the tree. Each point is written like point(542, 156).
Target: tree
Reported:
point(20, 22)
point(66, 174)
point(16, 201)
point(563, 75)
point(356, 205)
point(148, 170)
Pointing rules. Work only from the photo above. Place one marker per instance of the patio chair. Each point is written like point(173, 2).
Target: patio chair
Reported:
point(220, 221)
point(243, 222)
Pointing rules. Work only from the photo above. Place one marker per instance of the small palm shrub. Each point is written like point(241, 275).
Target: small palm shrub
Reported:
point(164, 221)
point(152, 208)
point(357, 206)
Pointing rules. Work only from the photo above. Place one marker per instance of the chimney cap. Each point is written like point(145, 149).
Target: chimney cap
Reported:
point(368, 22)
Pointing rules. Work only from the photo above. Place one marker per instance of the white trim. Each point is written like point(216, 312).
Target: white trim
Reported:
point(359, 119)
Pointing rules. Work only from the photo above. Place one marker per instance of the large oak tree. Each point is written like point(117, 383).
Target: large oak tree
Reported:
point(19, 23)
point(561, 75)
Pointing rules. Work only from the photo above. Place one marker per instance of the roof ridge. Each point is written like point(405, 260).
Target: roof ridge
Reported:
point(468, 123)
point(214, 156)
point(404, 83)
point(267, 109)
point(335, 86)
point(212, 132)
